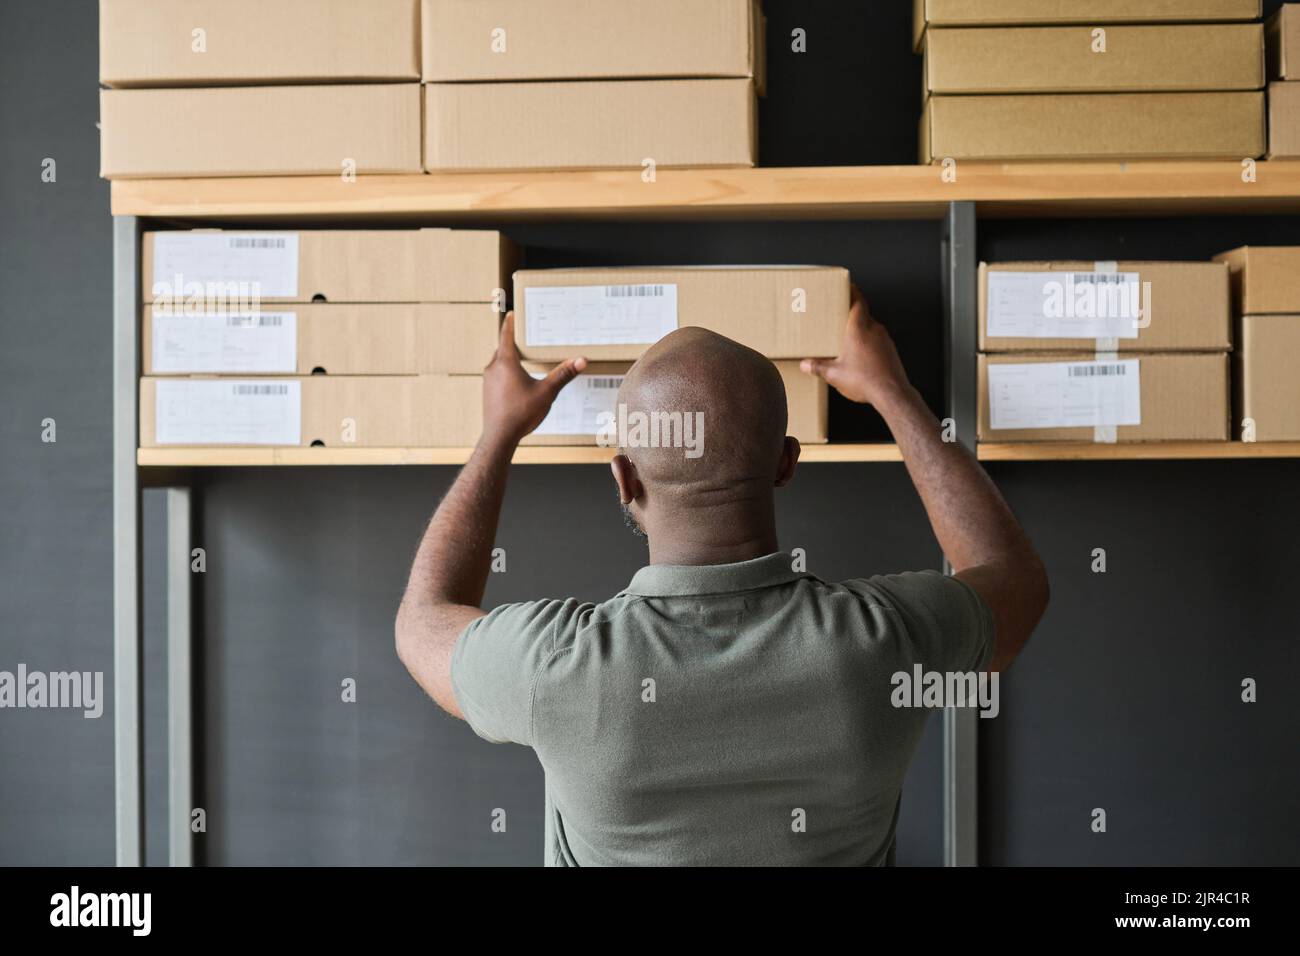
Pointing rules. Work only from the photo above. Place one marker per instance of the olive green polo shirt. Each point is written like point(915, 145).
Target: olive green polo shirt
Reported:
point(721, 714)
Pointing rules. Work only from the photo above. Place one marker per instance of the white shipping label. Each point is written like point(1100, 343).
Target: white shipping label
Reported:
point(600, 314)
point(1065, 305)
point(253, 263)
point(1064, 394)
point(240, 342)
point(225, 412)
point(577, 409)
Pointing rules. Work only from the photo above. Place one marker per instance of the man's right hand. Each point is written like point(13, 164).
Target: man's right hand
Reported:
point(868, 368)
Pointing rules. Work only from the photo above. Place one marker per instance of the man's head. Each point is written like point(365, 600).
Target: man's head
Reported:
point(707, 439)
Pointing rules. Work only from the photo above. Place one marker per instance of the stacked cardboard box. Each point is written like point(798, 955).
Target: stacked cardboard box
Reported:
point(251, 88)
point(1283, 44)
point(336, 338)
point(570, 84)
point(1072, 79)
point(1266, 294)
point(612, 315)
point(1103, 351)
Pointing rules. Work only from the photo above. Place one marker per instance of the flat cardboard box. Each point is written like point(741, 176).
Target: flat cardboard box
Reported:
point(1283, 41)
point(1190, 306)
point(806, 402)
point(581, 40)
point(1184, 397)
point(337, 130)
point(758, 306)
point(242, 42)
point(1266, 383)
point(1265, 279)
point(589, 124)
point(1221, 56)
point(1284, 120)
point(971, 13)
point(1094, 126)
point(321, 338)
point(350, 411)
point(330, 265)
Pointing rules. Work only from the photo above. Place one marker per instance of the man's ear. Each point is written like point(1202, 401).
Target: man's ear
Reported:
point(629, 485)
point(789, 458)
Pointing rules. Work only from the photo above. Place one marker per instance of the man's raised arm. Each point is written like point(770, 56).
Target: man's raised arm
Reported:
point(450, 570)
point(978, 533)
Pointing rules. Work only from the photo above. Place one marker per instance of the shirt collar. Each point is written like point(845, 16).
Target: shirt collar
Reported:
point(667, 580)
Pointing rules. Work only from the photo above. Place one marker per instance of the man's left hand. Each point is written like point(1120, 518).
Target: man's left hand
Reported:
point(515, 403)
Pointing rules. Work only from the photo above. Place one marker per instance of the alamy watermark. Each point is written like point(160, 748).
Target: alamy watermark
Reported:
point(637, 429)
point(935, 689)
point(75, 690)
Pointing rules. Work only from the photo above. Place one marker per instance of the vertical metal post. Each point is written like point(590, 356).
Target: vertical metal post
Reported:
point(960, 741)
point(128, 736)
point(180, 772)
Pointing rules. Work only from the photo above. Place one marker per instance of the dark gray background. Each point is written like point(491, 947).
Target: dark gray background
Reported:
point(1127, 699)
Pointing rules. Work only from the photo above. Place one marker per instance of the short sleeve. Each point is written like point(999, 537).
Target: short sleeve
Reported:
point(496, 661)
point(949, 624)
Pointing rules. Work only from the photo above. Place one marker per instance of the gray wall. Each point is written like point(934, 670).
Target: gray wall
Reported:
point(1127, 699)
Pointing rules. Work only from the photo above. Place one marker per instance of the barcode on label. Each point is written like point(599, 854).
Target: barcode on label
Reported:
point(1108, 278)
point(256, 242)
point(260, 389)
point(252, 321)
point(633, 291)
point(601, 381)
point(1090, 371)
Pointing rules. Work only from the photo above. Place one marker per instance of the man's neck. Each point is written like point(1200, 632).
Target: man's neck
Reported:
point(723, 534)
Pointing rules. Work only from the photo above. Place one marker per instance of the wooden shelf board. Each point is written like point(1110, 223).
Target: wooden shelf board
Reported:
point(1132, 451)
point(916, 192)
point(177, 457)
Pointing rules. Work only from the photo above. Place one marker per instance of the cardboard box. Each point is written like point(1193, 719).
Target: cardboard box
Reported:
point(1266, 383)
point(970, 13)
point(590, 124)
point(330, 265)
point(1094, 126)
point(1114, 306)
point(578, 39)
point(575, 418)
point(260, 131)
point(318, 338)
point(336, 411)
point(1283, 41)
point(1176, 397)
point(616, 313)
point(1265, 279)
point(219, 42)
point(1284, 120)
point(1221, 56)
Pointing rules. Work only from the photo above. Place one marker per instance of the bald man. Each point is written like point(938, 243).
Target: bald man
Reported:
point(726, 707)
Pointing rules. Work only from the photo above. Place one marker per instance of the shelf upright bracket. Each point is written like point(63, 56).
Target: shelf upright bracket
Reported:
point(128, 658)
point(960, 740)
point(180, 677)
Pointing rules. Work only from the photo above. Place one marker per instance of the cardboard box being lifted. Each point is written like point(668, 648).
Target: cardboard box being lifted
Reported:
point(1221, 56)
point(334, 411)
point(243, 42)
point(580, 40)
point(1283, 40)
point(589, 124)
point(329, 265)
point(1266, 382)
point(1114, 306)
point(1094, 126)
point(785, 312)
point(576, 417)
point(320, 338)
point(1265, 279)
point(972, 13)
point(1074, 396)
point(260, 131)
